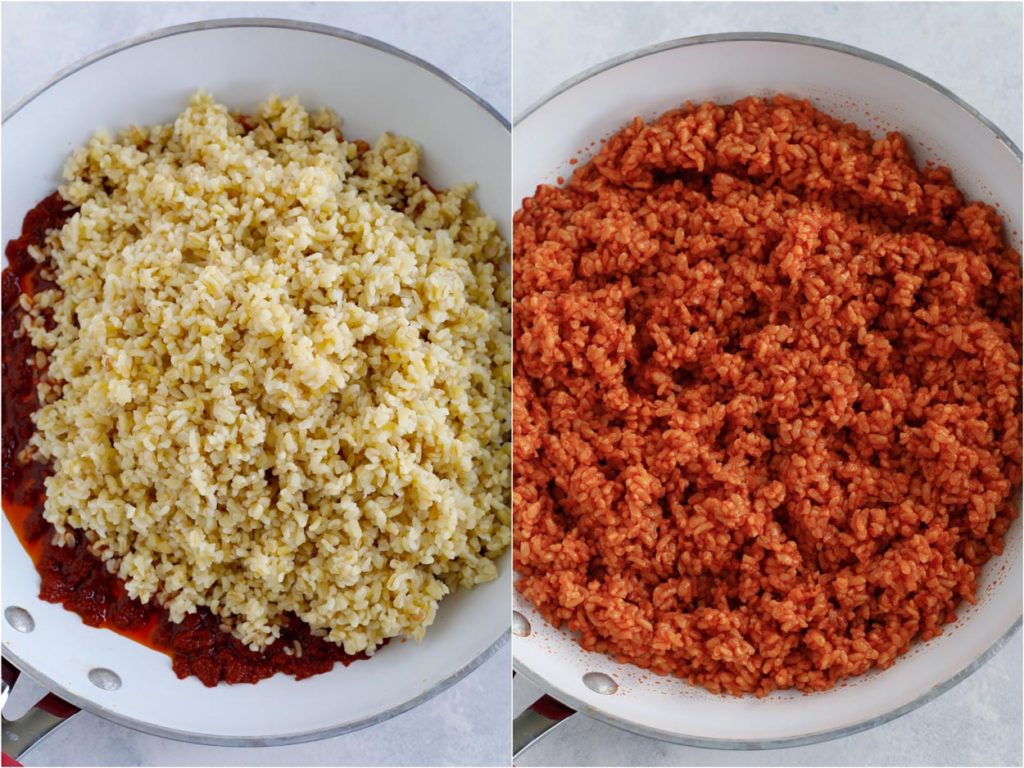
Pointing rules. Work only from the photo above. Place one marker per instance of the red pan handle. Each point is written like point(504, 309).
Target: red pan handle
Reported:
point(24, 733)
point(536, 720)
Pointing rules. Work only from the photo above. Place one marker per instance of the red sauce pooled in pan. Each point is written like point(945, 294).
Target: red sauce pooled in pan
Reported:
point(71, 575)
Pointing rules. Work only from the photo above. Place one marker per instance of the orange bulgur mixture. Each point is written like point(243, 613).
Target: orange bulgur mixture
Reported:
point(767, 406)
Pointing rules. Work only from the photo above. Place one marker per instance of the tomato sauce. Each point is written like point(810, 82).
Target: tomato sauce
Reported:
point(71, 574)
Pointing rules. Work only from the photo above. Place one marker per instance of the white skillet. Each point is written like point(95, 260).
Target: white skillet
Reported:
point(879, 95)
point(375, 88)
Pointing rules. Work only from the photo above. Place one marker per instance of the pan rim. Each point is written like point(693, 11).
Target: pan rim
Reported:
point(764, 744)
point(240, 22)
point(298, 737)
point(768, 37)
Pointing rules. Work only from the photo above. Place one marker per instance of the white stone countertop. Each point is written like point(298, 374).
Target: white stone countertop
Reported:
point(469, 723)
point(974, 49)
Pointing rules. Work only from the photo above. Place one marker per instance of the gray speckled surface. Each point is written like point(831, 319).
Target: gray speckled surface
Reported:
point(469, 723)
point(974, 49)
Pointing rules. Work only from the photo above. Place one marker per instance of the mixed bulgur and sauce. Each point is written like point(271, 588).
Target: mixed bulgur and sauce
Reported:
point(767, 406)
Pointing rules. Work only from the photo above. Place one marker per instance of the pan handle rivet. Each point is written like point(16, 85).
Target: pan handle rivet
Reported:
point(104, 678)
point(520, 625)
point(599, 682)
point(20, 619)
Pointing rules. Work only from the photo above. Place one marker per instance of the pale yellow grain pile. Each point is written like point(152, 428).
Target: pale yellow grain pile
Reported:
point(286, 374)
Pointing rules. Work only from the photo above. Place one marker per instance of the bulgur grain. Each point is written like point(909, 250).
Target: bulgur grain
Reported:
point(286, 370)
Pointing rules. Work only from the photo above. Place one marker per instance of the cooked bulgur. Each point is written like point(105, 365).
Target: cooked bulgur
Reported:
point(767, 407)
point(278, 374)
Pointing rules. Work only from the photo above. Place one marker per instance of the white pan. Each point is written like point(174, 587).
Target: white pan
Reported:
point(374, 88)
point(879, 95)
